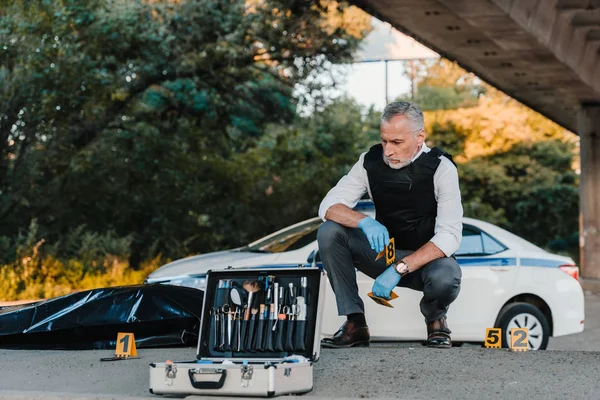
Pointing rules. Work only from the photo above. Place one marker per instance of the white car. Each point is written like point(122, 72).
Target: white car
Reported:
point(507, 283)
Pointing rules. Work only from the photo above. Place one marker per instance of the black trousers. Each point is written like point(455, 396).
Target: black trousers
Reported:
point(343, 249)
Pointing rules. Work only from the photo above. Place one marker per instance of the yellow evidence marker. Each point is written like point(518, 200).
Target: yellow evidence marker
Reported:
point(389, 252)
point(390, 257)
point(125, 348)
point(519, 339)
point(493, 338)
point(381, 300)
point(125, 345)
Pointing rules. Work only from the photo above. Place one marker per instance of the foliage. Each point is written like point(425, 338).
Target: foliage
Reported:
point(442, 85)
point(497, 124)
point(119, 115)
point(284, 178)
point(530, 190)
point(443, 98)
point(89, 261)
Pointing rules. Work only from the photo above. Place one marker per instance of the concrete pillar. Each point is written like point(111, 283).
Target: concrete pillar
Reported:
point(589, 190)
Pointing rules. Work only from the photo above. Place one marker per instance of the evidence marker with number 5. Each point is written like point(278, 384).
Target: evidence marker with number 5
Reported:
point(493, 338)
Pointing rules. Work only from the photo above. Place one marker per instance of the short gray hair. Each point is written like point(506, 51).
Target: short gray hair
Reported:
point(410, 110)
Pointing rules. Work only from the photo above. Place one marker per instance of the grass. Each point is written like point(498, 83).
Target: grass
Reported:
point(33, 279)
point(31, 269)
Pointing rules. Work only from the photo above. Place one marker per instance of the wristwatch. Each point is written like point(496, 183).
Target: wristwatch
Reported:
point(401, 268)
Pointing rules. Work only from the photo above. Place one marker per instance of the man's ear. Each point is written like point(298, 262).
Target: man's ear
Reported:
point(421, 137)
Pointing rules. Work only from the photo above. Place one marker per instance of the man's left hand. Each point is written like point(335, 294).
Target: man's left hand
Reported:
point(386, 282)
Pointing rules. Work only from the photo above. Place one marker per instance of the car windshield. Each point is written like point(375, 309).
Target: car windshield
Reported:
point(290, 239)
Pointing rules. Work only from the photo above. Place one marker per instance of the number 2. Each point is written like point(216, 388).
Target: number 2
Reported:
point(519, 339)
point(520, 342)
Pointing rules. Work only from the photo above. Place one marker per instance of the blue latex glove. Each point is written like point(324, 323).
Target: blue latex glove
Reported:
point(386, 282)
point(377, 234)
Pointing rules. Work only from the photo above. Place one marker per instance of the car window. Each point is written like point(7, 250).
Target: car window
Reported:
point(491, 245)
point(288, 240)
point(478, 243)
point(471, 243)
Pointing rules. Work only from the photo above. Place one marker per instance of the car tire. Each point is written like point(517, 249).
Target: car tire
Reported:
point(524, 315)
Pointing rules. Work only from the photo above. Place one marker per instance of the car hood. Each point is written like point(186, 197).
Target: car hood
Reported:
point(200, 264)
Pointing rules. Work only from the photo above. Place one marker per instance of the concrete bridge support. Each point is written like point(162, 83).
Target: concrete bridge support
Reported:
point(589, 192)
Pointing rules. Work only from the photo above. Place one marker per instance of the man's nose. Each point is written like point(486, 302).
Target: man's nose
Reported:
point(387, 150)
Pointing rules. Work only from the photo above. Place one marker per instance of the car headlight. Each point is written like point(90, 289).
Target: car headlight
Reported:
point(196, 282)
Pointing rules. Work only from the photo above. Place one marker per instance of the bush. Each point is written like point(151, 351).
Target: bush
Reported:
point(88, 260)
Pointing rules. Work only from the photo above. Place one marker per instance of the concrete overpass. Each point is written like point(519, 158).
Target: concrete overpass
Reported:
point(544, 53)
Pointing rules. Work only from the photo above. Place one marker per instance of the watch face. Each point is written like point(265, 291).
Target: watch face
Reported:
point(401, 268)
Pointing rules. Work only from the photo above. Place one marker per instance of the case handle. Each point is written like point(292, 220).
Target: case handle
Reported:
point(207, 384)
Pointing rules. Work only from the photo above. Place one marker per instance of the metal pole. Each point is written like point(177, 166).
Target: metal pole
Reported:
point(412, 80)
point(376, 60)
point(386, 83)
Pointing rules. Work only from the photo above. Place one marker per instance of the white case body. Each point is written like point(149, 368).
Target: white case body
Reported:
point(253, 377)
point(274, 380)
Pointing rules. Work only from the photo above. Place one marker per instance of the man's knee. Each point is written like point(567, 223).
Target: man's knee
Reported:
point(329, 232)
point(443, 278)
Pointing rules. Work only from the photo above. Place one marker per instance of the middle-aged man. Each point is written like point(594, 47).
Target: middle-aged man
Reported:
point(417, 202)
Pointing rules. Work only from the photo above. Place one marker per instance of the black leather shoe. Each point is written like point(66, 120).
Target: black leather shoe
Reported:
point(349, 335)
point(438, 334)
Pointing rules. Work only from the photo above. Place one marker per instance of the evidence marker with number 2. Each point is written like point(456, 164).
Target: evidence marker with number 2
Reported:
point(519, 339)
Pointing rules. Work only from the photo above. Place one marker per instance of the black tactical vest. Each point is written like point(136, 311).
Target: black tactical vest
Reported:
point(404, 198)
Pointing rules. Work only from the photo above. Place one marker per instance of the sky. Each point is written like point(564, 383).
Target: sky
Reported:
point(365, 81)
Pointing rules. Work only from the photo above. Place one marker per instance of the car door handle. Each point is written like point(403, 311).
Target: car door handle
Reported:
point(499, 268)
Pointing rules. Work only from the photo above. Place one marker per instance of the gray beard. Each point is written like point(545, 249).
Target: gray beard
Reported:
point(386, 160)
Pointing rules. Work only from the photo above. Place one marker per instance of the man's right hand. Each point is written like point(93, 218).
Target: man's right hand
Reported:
point(377, 234)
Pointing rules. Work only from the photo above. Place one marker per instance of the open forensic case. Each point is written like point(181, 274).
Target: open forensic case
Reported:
point(259, 336)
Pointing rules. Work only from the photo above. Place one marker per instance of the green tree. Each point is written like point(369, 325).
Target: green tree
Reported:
point(530, 190)
point(431, 98)
point(448, 137)
point(443, 85)
point(128, 115)
point(284, 178)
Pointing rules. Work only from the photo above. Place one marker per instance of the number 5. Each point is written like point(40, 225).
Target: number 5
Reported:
point(493, 337)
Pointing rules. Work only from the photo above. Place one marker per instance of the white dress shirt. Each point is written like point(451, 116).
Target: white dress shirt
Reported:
point(448, 223)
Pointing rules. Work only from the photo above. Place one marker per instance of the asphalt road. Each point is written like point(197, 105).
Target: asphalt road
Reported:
point(385, 370)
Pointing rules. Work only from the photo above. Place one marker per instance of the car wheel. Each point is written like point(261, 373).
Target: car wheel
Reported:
point(525, 315)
